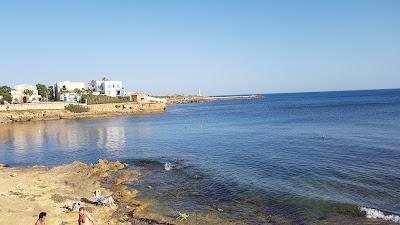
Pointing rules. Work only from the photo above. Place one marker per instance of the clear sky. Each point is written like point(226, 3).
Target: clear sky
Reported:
point(222, 47)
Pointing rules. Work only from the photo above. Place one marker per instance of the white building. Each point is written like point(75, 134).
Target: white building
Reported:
point(25, 93)
point(110, 88)
point(68, 91)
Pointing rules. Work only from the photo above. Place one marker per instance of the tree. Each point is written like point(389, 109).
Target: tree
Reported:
point(5, 92)
point(42, 90)
point(92, 85)
point(28, 92)
point(50, 91)
point(78, 91)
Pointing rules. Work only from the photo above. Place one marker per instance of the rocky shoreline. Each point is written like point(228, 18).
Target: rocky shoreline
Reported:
point(107, 110)
point(95, 111)
point(26, 191)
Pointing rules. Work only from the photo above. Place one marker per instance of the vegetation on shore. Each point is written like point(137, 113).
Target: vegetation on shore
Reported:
point(101, 99)
point(76, 108)
point(5, 92)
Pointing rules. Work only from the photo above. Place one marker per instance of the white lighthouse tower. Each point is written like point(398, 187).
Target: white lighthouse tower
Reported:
point(199, 93)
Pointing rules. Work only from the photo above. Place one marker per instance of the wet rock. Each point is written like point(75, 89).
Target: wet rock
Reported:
point(197, 177)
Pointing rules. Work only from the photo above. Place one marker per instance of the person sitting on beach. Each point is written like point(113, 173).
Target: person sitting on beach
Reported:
point(104, 200)
point(85, 218)
point(42, 218)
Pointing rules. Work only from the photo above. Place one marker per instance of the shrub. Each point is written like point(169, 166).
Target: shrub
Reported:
point(5, 92)
point(76, 108)
point(101, 99)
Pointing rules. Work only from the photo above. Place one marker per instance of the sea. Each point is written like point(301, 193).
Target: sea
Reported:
point(297, 158)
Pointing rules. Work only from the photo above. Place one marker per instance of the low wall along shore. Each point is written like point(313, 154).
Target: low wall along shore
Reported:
point(34, 106)
point(53, 111)
point(127, 107)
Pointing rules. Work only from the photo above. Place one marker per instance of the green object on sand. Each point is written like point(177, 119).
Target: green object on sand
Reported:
point(183, 216)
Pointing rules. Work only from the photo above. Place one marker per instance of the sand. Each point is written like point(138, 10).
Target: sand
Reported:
point(25, 192)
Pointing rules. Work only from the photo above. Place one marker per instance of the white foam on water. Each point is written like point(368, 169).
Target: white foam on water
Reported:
point(376, 214)
point(168, 166)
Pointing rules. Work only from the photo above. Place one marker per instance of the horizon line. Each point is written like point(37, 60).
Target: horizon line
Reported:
point(301, 92)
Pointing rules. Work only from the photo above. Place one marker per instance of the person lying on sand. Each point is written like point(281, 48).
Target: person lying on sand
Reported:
point(41, 220)
point(85, 218)
point(103, 200)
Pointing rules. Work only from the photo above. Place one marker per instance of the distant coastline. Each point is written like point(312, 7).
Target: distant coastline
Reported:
point(199, 99)
point(55, 110)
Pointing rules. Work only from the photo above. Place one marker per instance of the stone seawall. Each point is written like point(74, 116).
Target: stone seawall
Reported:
point(95, 111)
point(127, 107)
point(34, 106)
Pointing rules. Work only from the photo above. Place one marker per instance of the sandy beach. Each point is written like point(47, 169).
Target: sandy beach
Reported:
point(25, 192)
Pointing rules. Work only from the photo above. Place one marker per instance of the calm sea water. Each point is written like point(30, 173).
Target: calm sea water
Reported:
point(298, 156)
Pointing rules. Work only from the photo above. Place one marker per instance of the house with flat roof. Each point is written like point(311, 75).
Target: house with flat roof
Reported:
point(144, 98)
point(111, 88)
point(25, 93)
point(68, 91)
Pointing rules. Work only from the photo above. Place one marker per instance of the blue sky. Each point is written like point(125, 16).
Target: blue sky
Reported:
point(222, 47)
